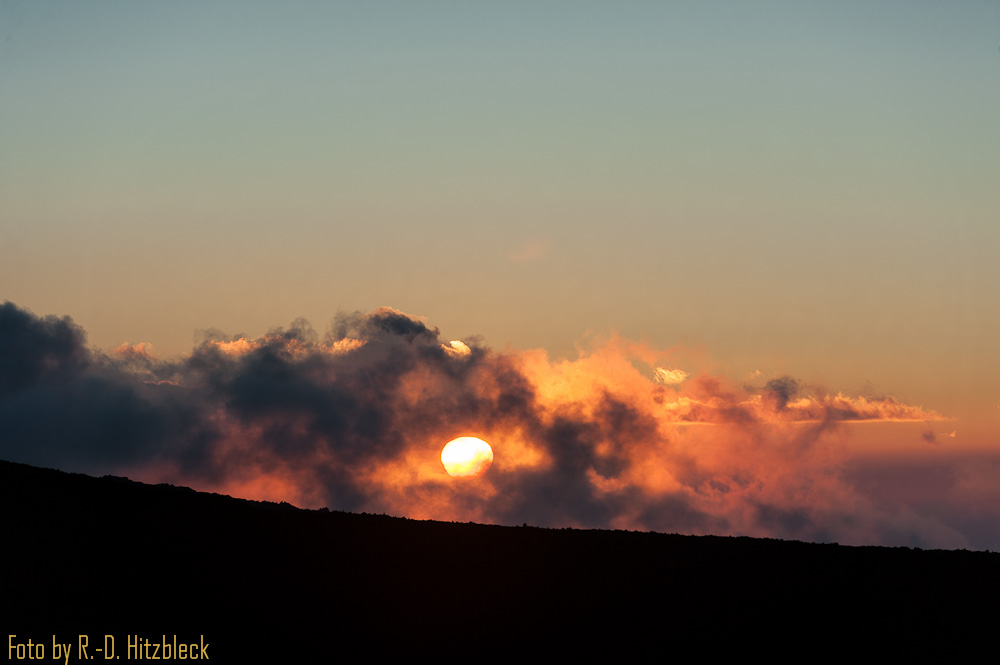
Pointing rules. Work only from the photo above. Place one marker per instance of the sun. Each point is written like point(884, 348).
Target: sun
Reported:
point(466, 456)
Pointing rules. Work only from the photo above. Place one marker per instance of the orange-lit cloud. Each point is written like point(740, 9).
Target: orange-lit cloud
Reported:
point(456, 348)
point(142, 350)
point(356, 420)
point(765, 407)
point(236, 347)
point(669, 376)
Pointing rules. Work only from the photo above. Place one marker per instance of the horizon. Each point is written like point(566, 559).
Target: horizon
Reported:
point(722, 267)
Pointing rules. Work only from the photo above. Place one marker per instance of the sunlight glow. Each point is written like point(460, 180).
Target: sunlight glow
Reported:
point(466, 456)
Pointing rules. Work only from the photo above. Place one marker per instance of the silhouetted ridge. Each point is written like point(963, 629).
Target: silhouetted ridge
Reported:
point(113, 556)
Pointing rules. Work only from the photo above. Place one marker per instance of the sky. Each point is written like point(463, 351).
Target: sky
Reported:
point(741, 259)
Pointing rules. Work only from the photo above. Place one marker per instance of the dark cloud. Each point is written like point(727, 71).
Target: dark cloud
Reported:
point(355, 420)
point(781, 390)
point(34, 349)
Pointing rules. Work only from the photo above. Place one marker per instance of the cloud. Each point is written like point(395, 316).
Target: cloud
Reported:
point(780, 390)
point(355, 420)
point(142, 351)
point(456, 348)
point(669, 376)
point(34, 349)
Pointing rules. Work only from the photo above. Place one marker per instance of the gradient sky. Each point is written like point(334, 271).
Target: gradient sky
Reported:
point(801, 188)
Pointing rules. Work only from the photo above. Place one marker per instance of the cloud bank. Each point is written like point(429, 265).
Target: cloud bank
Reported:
point(355, 420)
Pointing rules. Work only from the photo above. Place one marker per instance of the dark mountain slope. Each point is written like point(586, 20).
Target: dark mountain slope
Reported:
point(101, 556)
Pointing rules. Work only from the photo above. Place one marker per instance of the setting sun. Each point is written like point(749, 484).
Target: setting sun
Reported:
point(466, 456)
